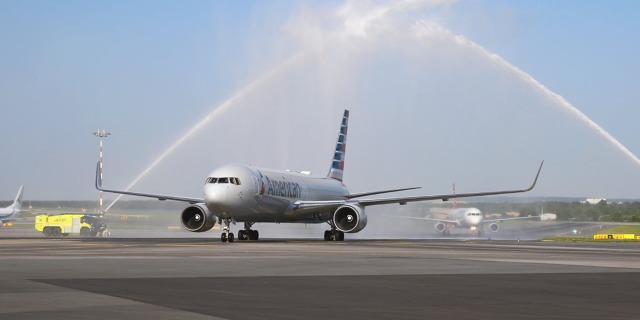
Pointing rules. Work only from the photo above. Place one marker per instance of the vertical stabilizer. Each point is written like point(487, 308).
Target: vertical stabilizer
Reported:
point(455, 200)
point(337, 166)
point(17, 202)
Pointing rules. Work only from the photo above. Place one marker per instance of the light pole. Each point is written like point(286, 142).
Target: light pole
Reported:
point(101, 133)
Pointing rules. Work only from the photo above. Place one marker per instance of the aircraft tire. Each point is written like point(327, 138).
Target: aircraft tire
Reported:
point(327, 235)
point(254, 235)
point(230, 239)
point(339, 236)
point(223, 237)
point(242, 235)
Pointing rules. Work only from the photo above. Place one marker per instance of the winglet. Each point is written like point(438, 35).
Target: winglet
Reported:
point(98, 177)
point(536, 179)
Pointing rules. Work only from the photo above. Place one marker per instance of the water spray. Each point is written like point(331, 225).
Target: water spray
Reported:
point(358, 23)
point(219, 110)
point(527, 78)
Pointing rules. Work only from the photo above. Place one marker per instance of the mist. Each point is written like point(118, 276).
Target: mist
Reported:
point(429, 107)
point(426, 110)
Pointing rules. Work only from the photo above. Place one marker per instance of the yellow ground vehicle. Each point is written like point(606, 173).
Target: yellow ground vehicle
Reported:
point(68, 223)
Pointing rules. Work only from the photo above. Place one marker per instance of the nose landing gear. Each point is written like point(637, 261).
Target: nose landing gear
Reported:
point(226, 235)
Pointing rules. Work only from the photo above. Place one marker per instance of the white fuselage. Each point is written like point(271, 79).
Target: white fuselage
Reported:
point(249, 194)
point(467, 218)
point(8, 214)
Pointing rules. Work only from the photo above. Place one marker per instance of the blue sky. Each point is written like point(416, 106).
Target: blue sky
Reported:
point(149, 70)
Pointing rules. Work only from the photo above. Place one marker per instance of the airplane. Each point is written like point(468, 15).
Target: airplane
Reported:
point(470, 218)
point(243, 193)
point(13, 211)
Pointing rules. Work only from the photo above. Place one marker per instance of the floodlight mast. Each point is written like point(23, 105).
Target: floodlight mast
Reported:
point(101, 133)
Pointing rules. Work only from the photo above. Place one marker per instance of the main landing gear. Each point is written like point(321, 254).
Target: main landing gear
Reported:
point(333, 234)
point(247, 233)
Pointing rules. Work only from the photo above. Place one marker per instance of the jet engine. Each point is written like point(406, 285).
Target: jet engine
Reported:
point(350, 218)
point(197, 218)
point(440, 227)
point(494, 227)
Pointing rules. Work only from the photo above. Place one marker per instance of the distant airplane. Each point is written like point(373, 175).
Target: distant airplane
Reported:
point(547, 216)
point(241, 193)
point(12, 212)
point(469, 218)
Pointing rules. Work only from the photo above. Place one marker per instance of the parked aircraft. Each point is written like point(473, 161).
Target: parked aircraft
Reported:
point(13, 211)
point(243, 193)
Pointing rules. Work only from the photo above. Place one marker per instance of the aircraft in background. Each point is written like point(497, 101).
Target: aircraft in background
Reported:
point(13, 211)
point(469, 218)
point(241, 193)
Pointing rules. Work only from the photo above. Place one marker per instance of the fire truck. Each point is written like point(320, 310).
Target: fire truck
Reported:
point(70, 223)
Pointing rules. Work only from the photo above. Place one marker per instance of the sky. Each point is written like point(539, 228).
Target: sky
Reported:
point(471, 92)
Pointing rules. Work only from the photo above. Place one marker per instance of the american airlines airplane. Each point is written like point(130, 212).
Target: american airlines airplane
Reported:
point(243, 193)
point(12, 212)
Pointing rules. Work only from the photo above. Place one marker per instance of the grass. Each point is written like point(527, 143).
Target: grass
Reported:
point(583, 239)
point(635, 229)
point(632, 229)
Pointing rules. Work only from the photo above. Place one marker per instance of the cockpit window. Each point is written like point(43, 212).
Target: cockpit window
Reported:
point(232, 180)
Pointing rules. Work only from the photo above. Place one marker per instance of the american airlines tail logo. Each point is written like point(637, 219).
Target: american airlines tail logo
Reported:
point(337, 166)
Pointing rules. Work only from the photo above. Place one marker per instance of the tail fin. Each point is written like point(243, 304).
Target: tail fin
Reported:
point(455, 200)
point(337, 166)
point(17, 203)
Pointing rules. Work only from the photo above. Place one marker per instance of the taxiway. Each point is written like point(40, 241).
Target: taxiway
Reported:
point(160, 278)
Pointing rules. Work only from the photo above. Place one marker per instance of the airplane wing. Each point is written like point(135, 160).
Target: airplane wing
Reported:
point(446, 197)
point(319, 206)
point(507, 219)
point(148, 195)
point(364, 194)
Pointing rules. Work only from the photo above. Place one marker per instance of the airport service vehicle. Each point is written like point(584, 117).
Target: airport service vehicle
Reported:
point(70, 223)
point(243, 193)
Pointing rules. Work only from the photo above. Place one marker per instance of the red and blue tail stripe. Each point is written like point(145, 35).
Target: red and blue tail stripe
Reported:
point(337, 166)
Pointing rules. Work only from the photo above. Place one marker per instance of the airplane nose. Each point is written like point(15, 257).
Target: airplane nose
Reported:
point(215, 194)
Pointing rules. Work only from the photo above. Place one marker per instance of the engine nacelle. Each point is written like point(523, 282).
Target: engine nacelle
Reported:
point(350, 218)
point(494, 227)
point(440, 227)
point(197, 218)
